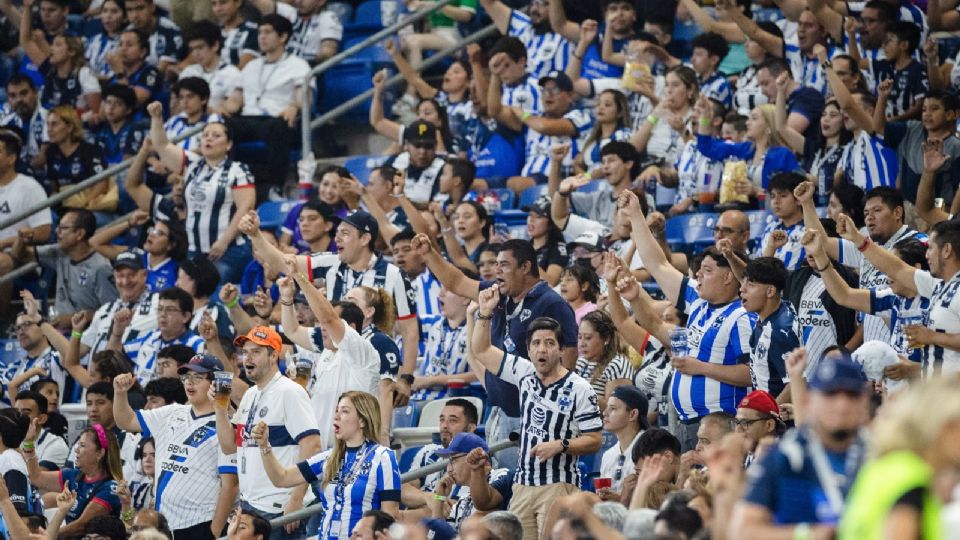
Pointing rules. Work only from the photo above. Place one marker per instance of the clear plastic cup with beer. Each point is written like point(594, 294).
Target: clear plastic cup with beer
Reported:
point(223, 383)
point(304, 370)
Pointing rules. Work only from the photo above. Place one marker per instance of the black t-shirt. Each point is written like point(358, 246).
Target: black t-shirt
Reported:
point(552, 253)
point(63, 170)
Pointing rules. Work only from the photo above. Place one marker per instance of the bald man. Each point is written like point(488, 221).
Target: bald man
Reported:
point(733, 225)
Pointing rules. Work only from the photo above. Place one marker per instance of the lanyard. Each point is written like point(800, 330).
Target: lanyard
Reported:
point(445, 351)
point(248, 427)
point(830, 481)
point(263, 80)
point(360, 464)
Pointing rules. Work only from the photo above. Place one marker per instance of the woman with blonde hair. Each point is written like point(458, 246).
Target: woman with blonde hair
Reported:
point(356, 475)
point(70, 159)
point(764, 151)
point(68, 80)
point(916, 440)
point(94, 480)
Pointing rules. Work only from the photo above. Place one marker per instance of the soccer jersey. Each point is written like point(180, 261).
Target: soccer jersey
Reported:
point(189, 463)
point(893, 307)
point(52, 450)
point(944, 318)
point(445, 354)
point(81, 285)
point(49, 360)
point(165, 42)
point(817, 328)
point(771, 341)
point(179, 123)
point(619, 367)
point(524, 94)
point(387, 350)
point(22, 193)
point(718, 334)
point(565, 409)
point(285, 407)
point(35, 129)
point(717, 88)
point(910, 85)
point(144, 320)
point(463, 505)
point(310, 31)
point(546, 52)
point(121, 144)
point(427, 455)
point(13, 470)
point(62, 170)
point(423, 184)
point(144, 349)
point(368, 477)
point(208, 195)
point(426, 290)
point(69, 90)
point(806, 69)
point(220, 316)
point(748, 94)
point(591, 151)
point(380, 274)
point(101, 491)
point(868, 163)
point(538, 145)
point(161, 275)
point(240, 41)
point(696, 172)
point(874, 328)
point(792, 253)
point(355, 365)
point(96, 49)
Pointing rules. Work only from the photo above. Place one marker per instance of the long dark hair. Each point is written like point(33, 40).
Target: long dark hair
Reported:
point(483, 215)
point(845, 134)
point(445, 134)
point(585, 274)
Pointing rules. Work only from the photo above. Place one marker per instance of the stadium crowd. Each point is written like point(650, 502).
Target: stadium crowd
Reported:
point(724, 304)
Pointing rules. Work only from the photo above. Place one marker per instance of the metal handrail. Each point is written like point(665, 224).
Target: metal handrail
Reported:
point(21, 271)
point(429, 62)
point(305, 124)
point(124, 165)
point(404, 478)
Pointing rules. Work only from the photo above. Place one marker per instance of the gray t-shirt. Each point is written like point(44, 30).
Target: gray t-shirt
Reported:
point(599, 205)
point(81, 285)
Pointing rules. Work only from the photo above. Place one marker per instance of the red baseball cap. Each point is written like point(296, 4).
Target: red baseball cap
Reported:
point(760, 401)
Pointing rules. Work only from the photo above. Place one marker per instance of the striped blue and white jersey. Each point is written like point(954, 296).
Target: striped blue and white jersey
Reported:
point(284, 406)
point(525, 94)
point(717, 88)
point(49, 360)
point(817, 328)
point(537, 146)
point(907, 13)
point(165, 42)
point(874, 328)
point(13, 469)
point(368, 477)
point(143, 351)
point(463, 507)
point(806, 69)
point(891, 306)
point(189, 463)
point(545, 52)
point(792, 253)
point(771, 341)
point(387, 350)
point(910, 85)
point(240, 41)
point(944, 318)
point(427, 456)
point(445, 354)
point(96, 49)
point(696, 172)
point(426, 291)
point(35, 129)
point(868, 163)
point(380, 274)
point(179, 123)
point(564, 410)
point(591, 151)
point(718, 334)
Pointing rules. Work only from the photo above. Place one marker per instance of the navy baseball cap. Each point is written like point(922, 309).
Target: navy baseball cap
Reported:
point(202, 363)
point(364, 222)
point(438, 529)
point(633, 398)
point(463, 443)
point(563, 81)
point(132, 258)
point(838, 375)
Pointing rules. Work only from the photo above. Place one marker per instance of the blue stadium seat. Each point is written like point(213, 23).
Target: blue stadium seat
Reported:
point(366, 17)
point(685, 232)
point(341, 84)
point(530, 194)
point(758, 221)
point(9, 353)
point(406, 458)
point(273, 213)
point(361, 166)
point(506, 198)
point(405, 417)
point(374, 56)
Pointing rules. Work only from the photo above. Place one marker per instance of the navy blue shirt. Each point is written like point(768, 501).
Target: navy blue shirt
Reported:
point(771, 341)
point(808, 102)
point(785, 481)
point(117, 146)
point(62, 170)
point(386, 348)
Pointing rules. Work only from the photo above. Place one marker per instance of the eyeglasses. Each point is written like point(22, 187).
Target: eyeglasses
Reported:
point(725, 231)
point(154, 231)
point(744, 423)
point(193, 378)
point(552, 90)
point(168, 310)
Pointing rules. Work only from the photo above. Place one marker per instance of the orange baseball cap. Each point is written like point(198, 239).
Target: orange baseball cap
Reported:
point(261, 335)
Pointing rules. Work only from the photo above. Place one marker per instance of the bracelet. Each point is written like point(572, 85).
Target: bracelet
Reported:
point(28, 446)
point(233, 303)
point(826, 65)
point(801, 532)
point(407, 378)
point(866, 243)
point(524, 116)
point(482, 317)
point(588, 175)
point(282, 303)
point(652, 120)
point(565, 194)
point(264, 450)
point(127, 515)
point(75, 334)
point(820, 270)
point(439, 498)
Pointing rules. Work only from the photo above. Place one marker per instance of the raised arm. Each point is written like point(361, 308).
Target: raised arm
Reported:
point(413, 78)
point(828, 18)
point(885, 261)
point(588, 31)
point(771, 43)
point(379, 122)
point(560, 201)
point(327, 317)
point(843, 95)
point(933, 160)
point(171, 155)
point(811, 221)
point(134, 181)
point(499, 12)
point(654, 260)
point(37, 50)
point(495, 108)
point(71, 360)
point(485, 353)
point(629, 288)
point(449, 275)
point(16, 528)
point(793, 138)
point(45, 480)
point(230, 297)
point(730, 31)
point(288, 315)
point(858, 299)
point(271, 255)
point(123, 413)
point(102, 241)
point(940, 19)
point(938, 77)
point(560, 24)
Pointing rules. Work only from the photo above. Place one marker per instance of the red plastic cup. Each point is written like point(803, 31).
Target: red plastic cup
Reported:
point(602, 483)
point(456, 384)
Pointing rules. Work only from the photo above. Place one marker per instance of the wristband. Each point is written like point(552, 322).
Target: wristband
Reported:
point(28, 446)
point(482, 317)
point(407, 378)
point(652, 120)
point(524, 116)
point(705, 122)
point(588, 175)
point(820, 270)
point(282, 303)
point(801, 532)
point(127, 515)
point(233, 303)
point(826, 65)
point(75, 334)
point(439, 498)
point(866, 243)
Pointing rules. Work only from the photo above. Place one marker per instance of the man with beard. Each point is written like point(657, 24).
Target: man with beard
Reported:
point(40, 359)
point(457, 416)
point(24, 111)
point(797, 489)
point(546, 50)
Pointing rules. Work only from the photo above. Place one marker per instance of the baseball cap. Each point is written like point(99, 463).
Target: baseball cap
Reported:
point(634, 398)
point(132, 258)
point(541, 206)
point(364, 222)
point(261, 335)
point(438, 529)
point(420, 132)
point(462, 443)
point(563, 82)
point(760, 401)
point(202, 363)
point(589, 240)
point(841, 374)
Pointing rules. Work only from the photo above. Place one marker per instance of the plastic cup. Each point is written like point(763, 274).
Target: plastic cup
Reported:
point(602, 483)
point(223, 383)
point(304, 370)
point(907, 321)
point(679, 345)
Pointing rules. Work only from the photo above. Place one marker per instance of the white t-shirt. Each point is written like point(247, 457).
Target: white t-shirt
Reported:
point(188, 465)
point(269, 88)
point(222, 81)
point(144, 321)
point(944, 317)
point(310, 31)
point(617, 465)
point(354, 366)
point(51, 450)
point(285, 407)
point(22, 193)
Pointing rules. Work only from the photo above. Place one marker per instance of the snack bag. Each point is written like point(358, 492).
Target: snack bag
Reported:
point(734, 171)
